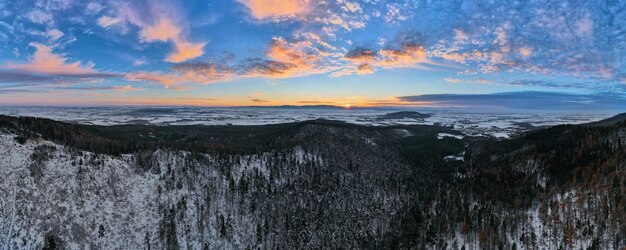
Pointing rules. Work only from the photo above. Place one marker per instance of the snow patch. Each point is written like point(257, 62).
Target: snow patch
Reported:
point(440, 136)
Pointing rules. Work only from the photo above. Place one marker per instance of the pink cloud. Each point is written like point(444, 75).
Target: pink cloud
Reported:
point(39, 16)
point(202, 73)
point(127, 88)
point(165, 30)
point(167, 80)
point(159, 23)
point(107, 21)
point(162, 30)
point(408, 56)
point(185, 51)
point(54, 34)
point(45, 61)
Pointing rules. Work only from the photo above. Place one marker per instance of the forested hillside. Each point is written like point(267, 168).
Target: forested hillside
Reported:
point(309, 185)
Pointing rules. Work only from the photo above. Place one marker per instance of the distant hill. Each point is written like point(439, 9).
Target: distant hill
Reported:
point(609, 122)
point(404, 115)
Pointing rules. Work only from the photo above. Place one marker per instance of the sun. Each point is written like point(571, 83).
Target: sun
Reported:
point(347, 105)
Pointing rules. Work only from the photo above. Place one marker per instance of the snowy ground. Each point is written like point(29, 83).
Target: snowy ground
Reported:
point(501, 125)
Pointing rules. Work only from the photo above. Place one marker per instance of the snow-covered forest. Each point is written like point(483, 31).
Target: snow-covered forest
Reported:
point(308, 185)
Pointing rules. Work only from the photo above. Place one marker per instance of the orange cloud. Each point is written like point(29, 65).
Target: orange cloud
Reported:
point(408, 56)
point(455, 57)
point(262, 9)
point(365, 60)
point(295, 53)
point(287, 60)
point(283, 59)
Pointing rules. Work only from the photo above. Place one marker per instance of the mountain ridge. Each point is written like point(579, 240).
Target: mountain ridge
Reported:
point(619, 118)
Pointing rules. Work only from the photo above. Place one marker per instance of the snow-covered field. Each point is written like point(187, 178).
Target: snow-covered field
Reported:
point(502, 125)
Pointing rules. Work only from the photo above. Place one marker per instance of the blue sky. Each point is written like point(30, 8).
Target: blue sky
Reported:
point(298, 52)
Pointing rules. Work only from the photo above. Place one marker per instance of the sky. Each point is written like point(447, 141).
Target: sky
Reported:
point(532, 55)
